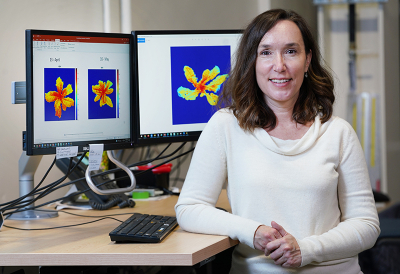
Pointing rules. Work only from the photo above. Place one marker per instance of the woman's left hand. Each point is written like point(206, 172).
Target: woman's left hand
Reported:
point(284, 251)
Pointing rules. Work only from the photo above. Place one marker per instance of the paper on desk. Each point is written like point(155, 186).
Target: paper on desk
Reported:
point(60, 206)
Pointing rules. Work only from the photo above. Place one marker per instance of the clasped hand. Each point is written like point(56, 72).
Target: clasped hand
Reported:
point(281, 246)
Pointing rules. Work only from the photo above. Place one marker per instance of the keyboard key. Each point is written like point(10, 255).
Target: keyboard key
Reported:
point(153, 229)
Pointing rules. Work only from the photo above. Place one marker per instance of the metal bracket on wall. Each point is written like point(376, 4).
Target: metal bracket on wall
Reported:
point(18, 92)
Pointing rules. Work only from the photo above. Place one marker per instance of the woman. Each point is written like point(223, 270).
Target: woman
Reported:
point(298, 183)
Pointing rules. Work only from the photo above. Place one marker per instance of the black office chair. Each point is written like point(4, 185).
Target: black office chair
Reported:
point(384, 257)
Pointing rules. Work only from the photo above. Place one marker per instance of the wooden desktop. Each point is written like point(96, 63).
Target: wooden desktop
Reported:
point(90, 244)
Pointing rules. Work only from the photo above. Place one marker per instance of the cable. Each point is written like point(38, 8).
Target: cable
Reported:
point(117, 169)
point(177, 169)
point(141, 154)
point(88, 216)
point(19, 209)
point(45, 192)
point(46, 189)
point(103, 217)
point(65, 226)
point(33, 192)
point(52, 187)
point(81, 179)
point(145, 162)
point(169, 191)
point(158, 165)
point(169, 160)
point(148, 153)
point(138, 174)
point(34, 189)
point(113, 201)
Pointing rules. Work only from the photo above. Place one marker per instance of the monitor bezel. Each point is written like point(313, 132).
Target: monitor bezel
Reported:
point(192, 136)
point(83, 146)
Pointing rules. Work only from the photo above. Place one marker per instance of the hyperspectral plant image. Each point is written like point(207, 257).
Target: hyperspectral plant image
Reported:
point(202, 87)
point(102, 90)
point(102, 93)
point(59, 94)
point(197, 76)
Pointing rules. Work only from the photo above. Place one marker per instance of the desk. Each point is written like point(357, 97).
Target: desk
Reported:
point(90, 244)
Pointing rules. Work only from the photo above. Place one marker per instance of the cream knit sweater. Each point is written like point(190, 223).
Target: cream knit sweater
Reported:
point(317, 188)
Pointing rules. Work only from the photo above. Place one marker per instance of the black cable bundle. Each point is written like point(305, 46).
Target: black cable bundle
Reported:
point(19, 204)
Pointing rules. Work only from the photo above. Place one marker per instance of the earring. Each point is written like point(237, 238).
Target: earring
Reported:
point(306, 74)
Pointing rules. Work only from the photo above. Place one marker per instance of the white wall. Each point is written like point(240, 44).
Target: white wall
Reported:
point(305, 8)
point(87, 15)
point(15, 17)
point(180, 14)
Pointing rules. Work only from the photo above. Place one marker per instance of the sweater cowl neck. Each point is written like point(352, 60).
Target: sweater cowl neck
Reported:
point(303, 144)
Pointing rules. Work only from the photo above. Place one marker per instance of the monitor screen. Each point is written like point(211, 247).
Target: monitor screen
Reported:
point(179, 76)
point(78, 90)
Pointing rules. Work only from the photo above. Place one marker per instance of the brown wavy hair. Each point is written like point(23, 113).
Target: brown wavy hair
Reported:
point(242, 94)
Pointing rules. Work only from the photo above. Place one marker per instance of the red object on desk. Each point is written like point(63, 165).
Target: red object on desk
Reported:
point(166, 168)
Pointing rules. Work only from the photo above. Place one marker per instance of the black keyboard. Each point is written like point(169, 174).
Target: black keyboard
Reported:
point(143, 228)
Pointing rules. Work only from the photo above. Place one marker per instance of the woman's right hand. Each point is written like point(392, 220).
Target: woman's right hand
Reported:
point(263, 235)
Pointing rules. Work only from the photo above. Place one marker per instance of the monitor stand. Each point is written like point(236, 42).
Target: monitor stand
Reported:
point(27, 166)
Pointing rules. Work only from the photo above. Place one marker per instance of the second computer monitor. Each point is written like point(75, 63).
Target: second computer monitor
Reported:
point(179, 76)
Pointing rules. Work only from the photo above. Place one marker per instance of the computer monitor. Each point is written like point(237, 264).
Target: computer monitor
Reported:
point(78, 87)
point(179, 75)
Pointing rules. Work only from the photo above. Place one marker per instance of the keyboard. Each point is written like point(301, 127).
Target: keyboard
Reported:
point(143, 228)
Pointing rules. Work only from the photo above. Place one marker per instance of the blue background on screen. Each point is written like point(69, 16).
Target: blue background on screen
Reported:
point(67, 75)
point(199, 58)
point(95, 111)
